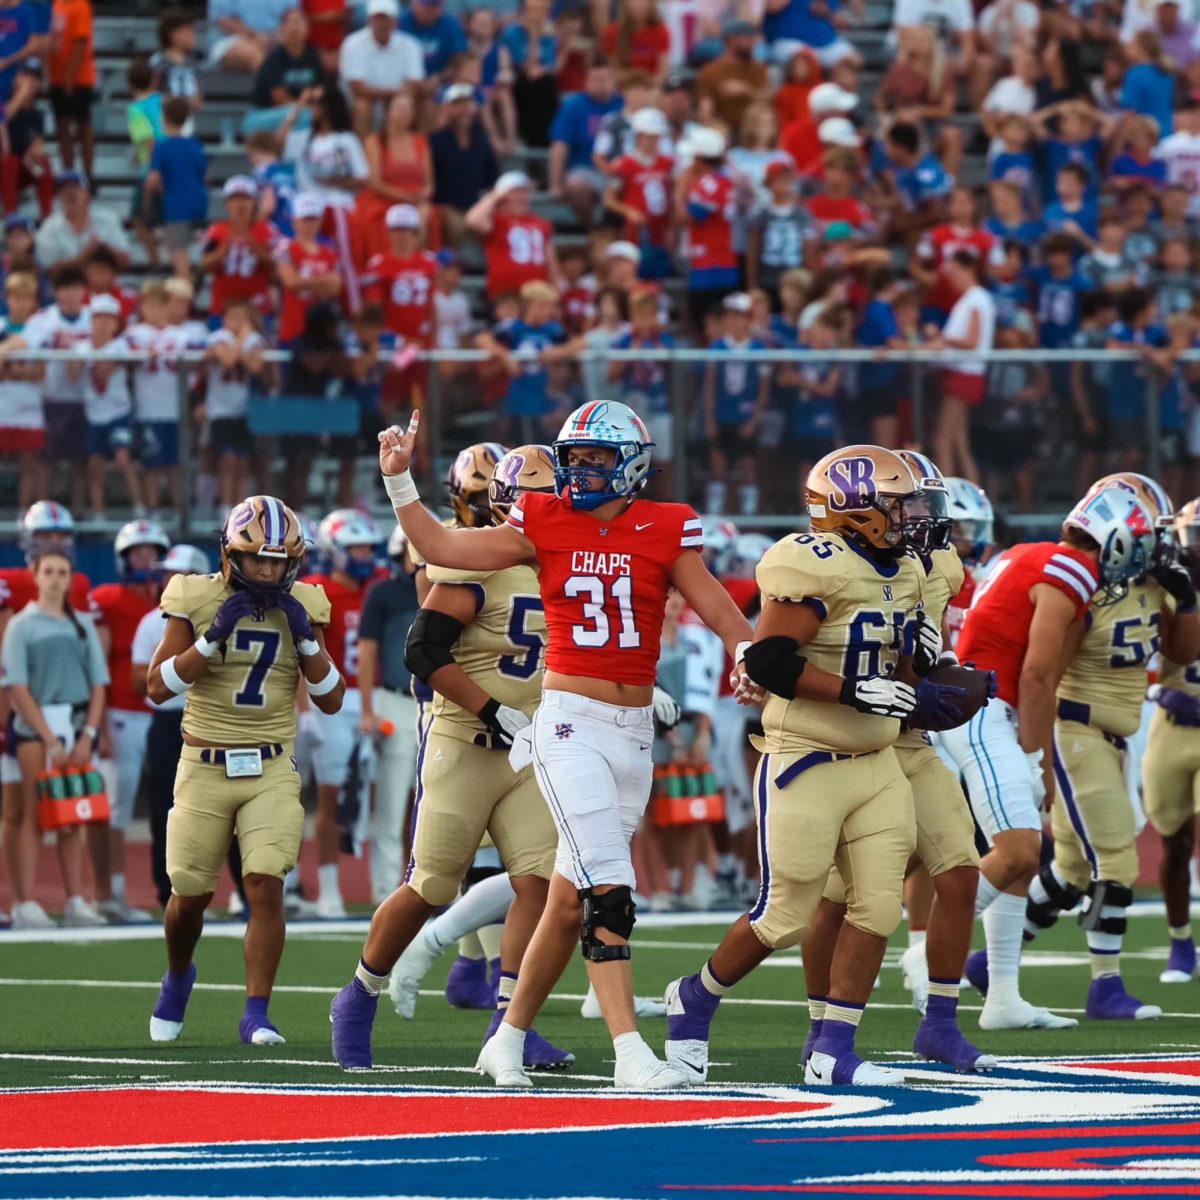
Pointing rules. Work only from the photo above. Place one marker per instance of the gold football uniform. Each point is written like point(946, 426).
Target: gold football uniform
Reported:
point(247, 697)
point(1171, 765)
point(465, 786)
point(1099, 706)
point(829, 787)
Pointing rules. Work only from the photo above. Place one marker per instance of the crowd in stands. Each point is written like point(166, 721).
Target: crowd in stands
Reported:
point(636, 176)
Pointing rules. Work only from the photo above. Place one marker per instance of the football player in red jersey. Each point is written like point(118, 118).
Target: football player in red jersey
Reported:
point(45, 525)
point(139, 548)
point(1016, 627)
point(307, 266)
point(347, 540)
point(516, 242)
point(237, 251)
point(606, 561)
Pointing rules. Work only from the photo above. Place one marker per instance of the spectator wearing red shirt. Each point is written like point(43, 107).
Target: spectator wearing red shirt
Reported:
point(711, 203)
point(801, 78)
point(939, 245)
point(836, 202)
point(800, 139)
point(306, 266)
point(327, 20)
point(639, 39)
point(402, 279)
point(518, 244)
point(640, 191)
point(100, 269)
point(238, 250)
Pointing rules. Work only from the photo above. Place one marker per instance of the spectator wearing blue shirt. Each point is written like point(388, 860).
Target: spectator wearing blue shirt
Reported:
point(17, 27)
point(525, 347)
point(735, 398)
point(1137, 164)
point(1008, 222)
point(1074, 141)
point(573, 176)
point(1059, 287)
point(920, 183)
point(276, 180)
point(1149, 88)
point(178, 170)
point(1014, 163)
point(1136, 328)
point(440, 35)
point(881, 384)
point(807, 24)
point(1071, 214)
point(532, 48)
point(1008, 281)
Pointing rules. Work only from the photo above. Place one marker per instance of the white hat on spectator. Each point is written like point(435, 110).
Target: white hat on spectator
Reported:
point(830, 98)
point(383, 8)
point(837, 131)
point(624, 250)
point(511, 181)
point(308, 204)
point(240, 185)
point(651, 121)
point(104, 305)
point(458, 91)
point(703, 142)
point(402, 216)
point(738, 302)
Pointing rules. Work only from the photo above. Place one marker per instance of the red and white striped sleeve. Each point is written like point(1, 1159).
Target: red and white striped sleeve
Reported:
point(516, 515)
point(692, 533)
point(1077, 577)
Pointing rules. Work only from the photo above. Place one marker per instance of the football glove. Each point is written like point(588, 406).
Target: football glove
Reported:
point(927, 644)
point(299, 625)
point(1183, 709)
point(879, 696)
point(503, 721)
point(1174, 579)
point(934, 710)
point(239, 605)
point(666, 710)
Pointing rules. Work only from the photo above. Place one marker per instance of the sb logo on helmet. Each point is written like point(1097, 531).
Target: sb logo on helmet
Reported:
point(852, 481)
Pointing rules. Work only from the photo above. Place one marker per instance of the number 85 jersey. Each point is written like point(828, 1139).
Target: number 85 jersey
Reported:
point(604, 584)
point(247, 696)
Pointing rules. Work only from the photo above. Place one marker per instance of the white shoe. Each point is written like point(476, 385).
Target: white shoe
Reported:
point(503, 1059)
point(295, 905)
point(1020, 1014)
point(121, 912)
point(643, 1006)
point(29, 914)
point(915, 968)
point(165, 1031)
point(410, 970)
point(331, 908)
point(646, 1072)
point(79, 914)
point(818, 1072)
point(235, 907)
point(267, 1037)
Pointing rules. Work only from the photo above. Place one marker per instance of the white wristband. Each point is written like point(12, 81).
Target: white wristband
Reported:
point(308, 647)
point(740, 652)
point(170, 677)
point(400, 489)
point(205, 647)
point(322, 686)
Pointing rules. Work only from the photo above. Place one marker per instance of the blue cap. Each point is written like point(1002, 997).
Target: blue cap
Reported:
point(68, 178)
point(16, 221)
point(447, 258)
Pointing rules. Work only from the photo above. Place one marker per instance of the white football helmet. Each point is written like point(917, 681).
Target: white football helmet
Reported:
point(45, 524)
point(342, 529)
point(719, 538)
point(187, 560)
point(747, 553)
point(603, 423)
point(139, 533)
point(973, 517)
point(1123, 527)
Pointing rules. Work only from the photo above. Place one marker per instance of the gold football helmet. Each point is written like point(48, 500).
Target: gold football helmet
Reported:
point(868, 494)
point(263, 527)
point(525, 469)
point(468, 482)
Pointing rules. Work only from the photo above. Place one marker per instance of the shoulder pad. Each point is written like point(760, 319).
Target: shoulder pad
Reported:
point(184, 594)
point(950, 567)
point(453, 575)
point(315, 602)
point(804, 566)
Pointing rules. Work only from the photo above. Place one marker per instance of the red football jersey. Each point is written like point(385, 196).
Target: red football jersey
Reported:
point(995, 633)
point(341, 634)
point(956, 610)
point(121, 607)
point(17, 590)
point(578, 307)
point(238, 274)
point(604, 586)
point(516, 252)
point(943, 242)
point(646, 186)
point(712, 205)
point(404, 286)
point(308, 263)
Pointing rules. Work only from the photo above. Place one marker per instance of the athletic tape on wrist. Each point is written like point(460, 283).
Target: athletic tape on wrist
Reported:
point(205, 647)
point(171, 678)
point(400, 489)
point(323, 686)
point(307, 647)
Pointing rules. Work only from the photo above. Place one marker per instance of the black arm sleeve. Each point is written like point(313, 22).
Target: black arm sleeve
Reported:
point(431, 642)
point(776, 664)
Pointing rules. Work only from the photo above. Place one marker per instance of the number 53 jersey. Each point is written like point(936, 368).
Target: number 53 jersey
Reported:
point(605, 584)
point(865, 605)
point(247, 695)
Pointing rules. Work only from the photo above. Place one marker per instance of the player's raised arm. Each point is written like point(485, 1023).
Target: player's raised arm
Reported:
point(490, 549)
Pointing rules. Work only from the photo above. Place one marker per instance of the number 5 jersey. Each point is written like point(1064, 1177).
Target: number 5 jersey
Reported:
point(248, 693)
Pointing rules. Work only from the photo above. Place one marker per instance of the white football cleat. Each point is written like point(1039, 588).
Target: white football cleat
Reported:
point(818, 1072)
point(410, 970)
point(1170, 975)
point(1020, 1014)
point(643, 1006)
point(915, 968)
point(165, 1031)
point(646, 1072)
point(503, 1058)
point(331, 908)
point(266, 1037)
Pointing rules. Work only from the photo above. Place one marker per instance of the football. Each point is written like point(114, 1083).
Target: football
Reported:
point(975, 683)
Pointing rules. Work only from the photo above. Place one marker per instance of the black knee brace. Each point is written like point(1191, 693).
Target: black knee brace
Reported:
point(1062, 897)
point(1103, 894)
point(614, 911)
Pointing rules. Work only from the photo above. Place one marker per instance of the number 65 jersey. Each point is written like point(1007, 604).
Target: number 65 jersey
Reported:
point(248, 694)
point(605, 584)
point(864, 604)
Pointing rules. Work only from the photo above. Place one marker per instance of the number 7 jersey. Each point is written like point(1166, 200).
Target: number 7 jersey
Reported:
point(248, 695)
point(604, 583)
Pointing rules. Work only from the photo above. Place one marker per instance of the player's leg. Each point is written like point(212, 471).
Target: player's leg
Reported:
point(1060, 884)
point(335, 735)
point(270, 824)
point(918, 903)
point(469, 983)
point(817, 954)
point(199, 830)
